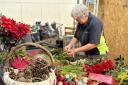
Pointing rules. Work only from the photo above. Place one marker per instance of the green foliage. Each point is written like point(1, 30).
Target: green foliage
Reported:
point(0, 28)
point(20, 52)
point(42, 55)
point(92, 62)
point(113, 73)
point(72, 69)
point(122, 78)
point(120, 72)
point(62, 56)
point(59, 54)
point(3, 55)
point(71, 59)
point(119, 62)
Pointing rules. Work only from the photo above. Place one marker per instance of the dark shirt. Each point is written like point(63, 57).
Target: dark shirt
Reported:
point(90, 33)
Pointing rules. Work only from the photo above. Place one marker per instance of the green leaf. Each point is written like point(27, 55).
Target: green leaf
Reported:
point(71, 69)
point(1, 28)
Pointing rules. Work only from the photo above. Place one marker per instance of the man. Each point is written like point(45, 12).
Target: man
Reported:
point(89, 33)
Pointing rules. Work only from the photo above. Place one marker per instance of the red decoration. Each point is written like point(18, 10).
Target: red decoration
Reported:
point(102, 78)
point(19, 62)
point(101, 67)
point(16, 30)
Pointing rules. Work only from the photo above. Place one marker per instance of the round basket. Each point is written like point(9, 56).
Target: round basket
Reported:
point(51, 79)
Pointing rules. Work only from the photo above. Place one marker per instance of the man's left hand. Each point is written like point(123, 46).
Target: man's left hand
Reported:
point(71, 53)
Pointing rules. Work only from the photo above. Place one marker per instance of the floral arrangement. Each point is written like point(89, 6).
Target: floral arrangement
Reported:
point(24, 67)
point(118, 70)
point(100, 67)
point(120, 73)
point(19, 62)
point(11, 31)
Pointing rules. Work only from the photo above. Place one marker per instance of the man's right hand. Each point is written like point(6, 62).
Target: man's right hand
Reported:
point(67, 48)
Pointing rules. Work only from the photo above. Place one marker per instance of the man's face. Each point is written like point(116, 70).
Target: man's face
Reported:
point(82, 19)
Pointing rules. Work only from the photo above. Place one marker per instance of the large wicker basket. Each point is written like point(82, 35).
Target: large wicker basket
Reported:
point(50, 81)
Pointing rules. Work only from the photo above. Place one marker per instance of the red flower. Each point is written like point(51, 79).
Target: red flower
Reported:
point(98, 68)
point(23, 29)
point(16, 31)
point(19, 62)
point(86, 68)
point(102, 66)
point(7, 23)
point(111, 64)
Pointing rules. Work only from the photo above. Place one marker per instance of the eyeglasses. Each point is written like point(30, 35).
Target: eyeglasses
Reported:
point(78, 18)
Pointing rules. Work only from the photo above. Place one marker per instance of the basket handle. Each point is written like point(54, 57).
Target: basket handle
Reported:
point(30, 44)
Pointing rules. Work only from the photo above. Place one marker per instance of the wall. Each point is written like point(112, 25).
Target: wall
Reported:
point(29, 11)
point(114, 13)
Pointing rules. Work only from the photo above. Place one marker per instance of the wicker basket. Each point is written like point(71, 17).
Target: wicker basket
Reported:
point(50, 81)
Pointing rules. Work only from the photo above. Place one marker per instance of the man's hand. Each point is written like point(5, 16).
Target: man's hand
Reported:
point(71, 44)
point(71, 53)
point(67, 48)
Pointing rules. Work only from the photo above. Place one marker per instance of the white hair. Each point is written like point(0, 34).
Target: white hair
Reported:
point(78, 10)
